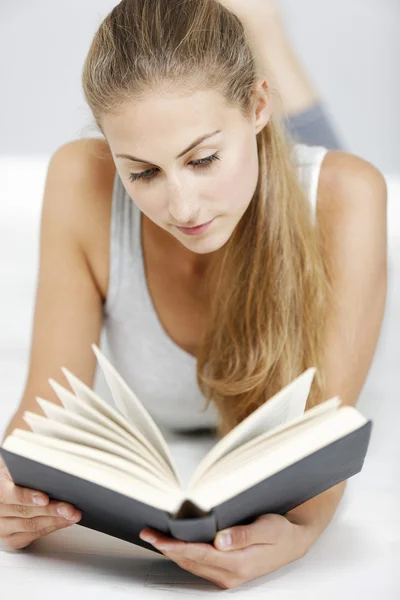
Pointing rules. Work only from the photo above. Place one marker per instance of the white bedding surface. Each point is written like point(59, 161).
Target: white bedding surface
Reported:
point(358, 554)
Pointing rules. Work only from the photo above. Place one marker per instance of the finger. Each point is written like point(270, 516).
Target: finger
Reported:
point(204, 554)
point(14, 494)
point(23, 539)
point(187, 556)
point(52, 509)
point(10, 525)
point(267, 529)
point(199, 557)
point(244, 565)
point(177, 547)
point(19, 540)
point(230, 565)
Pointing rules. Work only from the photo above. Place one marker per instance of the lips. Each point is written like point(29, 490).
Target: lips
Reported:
point(195, 226)
point(196, 230)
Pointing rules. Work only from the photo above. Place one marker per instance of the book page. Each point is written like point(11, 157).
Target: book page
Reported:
point(102, 455)
point(75, 418)
point(262, 443)
point(305, 440)
point(99, 412)
point(66, 432)
point(86, 394)
point(103, 470)
point(130, 406)
point(284, 406)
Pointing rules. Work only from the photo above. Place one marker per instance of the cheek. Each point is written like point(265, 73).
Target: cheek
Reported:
point(236, 189)
point(149, 204)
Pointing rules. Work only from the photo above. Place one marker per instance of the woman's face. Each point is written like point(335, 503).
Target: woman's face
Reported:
point(175, 186)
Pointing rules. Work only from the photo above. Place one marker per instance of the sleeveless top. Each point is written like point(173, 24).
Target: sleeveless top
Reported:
point(161, 374)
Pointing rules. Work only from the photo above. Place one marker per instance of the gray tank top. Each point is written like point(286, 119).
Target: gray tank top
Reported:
point(160, 373)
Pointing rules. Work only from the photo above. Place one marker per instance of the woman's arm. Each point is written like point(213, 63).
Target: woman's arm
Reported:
point(68, 310)
point(351, 212)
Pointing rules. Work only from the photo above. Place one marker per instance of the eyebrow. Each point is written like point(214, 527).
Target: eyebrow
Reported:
point(193, 145)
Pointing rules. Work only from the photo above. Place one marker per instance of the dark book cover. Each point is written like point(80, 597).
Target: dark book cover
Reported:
point(123, 517)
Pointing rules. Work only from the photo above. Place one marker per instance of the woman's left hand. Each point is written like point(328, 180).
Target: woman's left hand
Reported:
point(269, 543)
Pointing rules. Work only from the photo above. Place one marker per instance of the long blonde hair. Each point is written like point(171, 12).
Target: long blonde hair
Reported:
point(270, 299)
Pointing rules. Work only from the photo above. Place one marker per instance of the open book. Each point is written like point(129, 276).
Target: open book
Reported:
point(115, 466)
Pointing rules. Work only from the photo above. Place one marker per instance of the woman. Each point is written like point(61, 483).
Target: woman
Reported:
point(288, 271)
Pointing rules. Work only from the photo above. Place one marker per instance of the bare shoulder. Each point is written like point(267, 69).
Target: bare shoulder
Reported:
point(86, 168)
point(88, 157)
point(349, 184)
point(352, 215)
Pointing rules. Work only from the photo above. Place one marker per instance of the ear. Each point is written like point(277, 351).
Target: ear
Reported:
point(262, 105)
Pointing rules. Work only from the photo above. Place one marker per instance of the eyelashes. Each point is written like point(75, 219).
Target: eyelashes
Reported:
point(202, 164)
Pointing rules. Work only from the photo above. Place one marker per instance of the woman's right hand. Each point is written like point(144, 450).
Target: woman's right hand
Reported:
point(22, 520)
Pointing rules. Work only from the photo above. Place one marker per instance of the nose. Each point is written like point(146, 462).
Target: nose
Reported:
point(183, 206)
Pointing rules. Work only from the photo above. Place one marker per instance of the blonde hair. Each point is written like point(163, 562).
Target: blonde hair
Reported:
point(269, 301)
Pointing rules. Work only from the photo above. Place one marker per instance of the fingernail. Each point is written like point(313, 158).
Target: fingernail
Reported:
point(150, 539)
point(224, 540)
point(39, 500)
point(64, 511)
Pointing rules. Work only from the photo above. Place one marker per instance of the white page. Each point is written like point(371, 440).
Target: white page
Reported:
point(88, 395)
point(306, 440)
point(104, 453)
point(103, 458)
point(77, 420)
point(60, 429)
point(287, 404)
point(130, 406)
point(91, 409)
point(261, 444)
point(102, 470)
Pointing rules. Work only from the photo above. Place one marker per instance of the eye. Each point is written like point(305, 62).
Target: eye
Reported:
point(203, 163)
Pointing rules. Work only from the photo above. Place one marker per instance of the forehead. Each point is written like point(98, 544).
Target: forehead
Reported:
point(168, 116)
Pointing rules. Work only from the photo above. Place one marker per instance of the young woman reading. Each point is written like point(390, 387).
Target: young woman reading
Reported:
point(216, 254)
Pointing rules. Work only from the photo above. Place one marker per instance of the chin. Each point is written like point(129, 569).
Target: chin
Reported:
point(207, 245)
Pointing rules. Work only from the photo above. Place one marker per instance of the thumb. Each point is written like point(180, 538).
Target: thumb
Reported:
point(267, 529)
